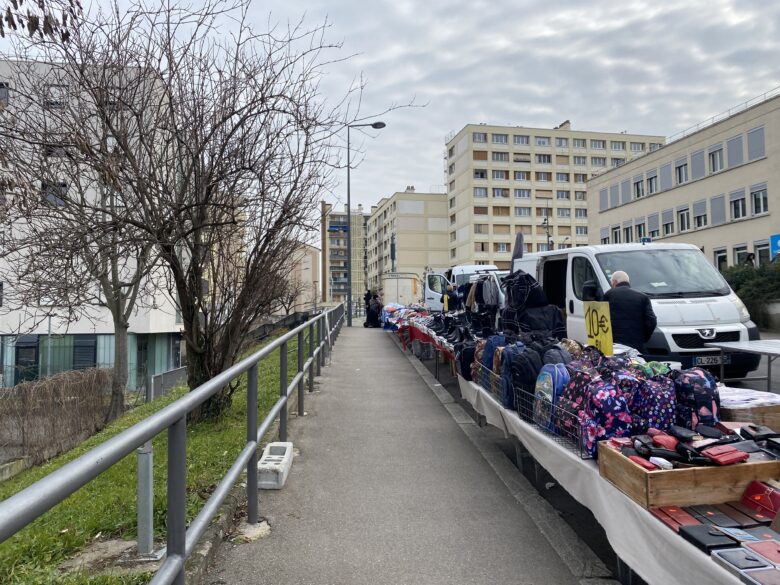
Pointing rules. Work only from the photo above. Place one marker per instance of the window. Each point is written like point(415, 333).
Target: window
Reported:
point(480, 192)
point(452, 218)
point(700, 221)
point(543, 177)
point(605, 240)
point(499, 138)
point(452, 185)
point(683, 220)
point(598, 161)
point(740, 253)
point(522, 193)
point(716, 160)
point(668, 228)
point(580, 160)
point(581, 230)
point(640, 231)
point(655, 146)
point(617, 145)
point(637, 147)
point(480, 173)
point(542, 141)
point(652, 185)
point(579, 143)
point(452, 202)
point(452, 253)
point(479, 137)
point(480, 228)
point(480, 210)
point(4, 94)
point(562, 142)
point(628, 234)
point(580, 213)
point(598, 144)
point(54, 193)
point(56, 96)
point(452, 236)
point(522, 175)
point(681, 172)
point(760, 202)
point(520, 139)
point(521, 157)
point(544, 159)
point(522, 212)
point(451, 169)
point(721, 260)
point(501, 193)
point(451, 151)
point(481, 246)
point(500, 156)
point(616, 235)
point(53, 150)
point(580, 195)
point(616, 162)
point(738, 208)
point(500, 175)
point(580, 177)
point(639, 189)
point(563, 212)
point(654, 233)
point(762, 258)
point(562, 177)
point(501, 211)
point(501, 247)
point(566, 195)
point(543, 212)
point(542, 247)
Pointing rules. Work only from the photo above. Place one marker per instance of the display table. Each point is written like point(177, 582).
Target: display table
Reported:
point(641, 541)
point(768, 347)
point(424, 335)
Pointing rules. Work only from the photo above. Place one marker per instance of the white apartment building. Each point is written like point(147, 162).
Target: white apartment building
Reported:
point(407, 233)
point(508, 179)
point(716, 187)
point(335, 267)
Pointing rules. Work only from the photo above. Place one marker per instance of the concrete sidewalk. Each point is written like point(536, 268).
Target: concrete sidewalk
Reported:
point(388, 489)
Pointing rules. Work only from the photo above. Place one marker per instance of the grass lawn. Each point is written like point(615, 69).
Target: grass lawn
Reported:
point(106, 507)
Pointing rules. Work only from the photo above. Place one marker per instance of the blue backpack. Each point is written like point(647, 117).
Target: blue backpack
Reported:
point(549, 387)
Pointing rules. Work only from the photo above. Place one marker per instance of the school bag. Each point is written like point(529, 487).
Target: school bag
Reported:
point(571, 401)
point(698, 400)
point(606, 415)
point(556, 355)
point(653, 405)
point(549, 385)
point(479, 351)
point(525, 367)
point(507, 381)
point(493, 342)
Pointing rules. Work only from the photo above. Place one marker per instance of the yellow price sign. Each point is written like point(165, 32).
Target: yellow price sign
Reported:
point(598, 326)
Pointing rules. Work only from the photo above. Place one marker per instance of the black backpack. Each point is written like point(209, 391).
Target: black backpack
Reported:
point(466, 358)
point(526, 366)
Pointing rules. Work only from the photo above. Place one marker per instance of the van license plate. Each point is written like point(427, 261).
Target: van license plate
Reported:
point(711, 360)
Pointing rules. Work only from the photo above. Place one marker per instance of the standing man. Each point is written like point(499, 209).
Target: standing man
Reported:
point(631, 313)
point(367, 300)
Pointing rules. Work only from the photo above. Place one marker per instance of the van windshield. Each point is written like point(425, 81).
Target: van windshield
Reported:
point(666, 273)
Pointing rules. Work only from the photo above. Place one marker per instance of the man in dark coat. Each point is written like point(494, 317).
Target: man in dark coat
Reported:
point(631, 313)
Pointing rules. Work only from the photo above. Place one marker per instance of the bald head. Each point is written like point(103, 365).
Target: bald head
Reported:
point(618, 277)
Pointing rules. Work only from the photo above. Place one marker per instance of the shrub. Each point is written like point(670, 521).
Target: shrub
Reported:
point(757, 287)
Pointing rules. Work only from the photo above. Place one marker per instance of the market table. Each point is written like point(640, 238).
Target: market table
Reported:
point(768, 347)
point(640, 540)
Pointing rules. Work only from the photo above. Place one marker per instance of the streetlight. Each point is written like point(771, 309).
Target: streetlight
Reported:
point(375, 126)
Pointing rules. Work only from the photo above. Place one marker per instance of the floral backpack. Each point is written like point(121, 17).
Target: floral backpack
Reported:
point(606, 415)
point(698, 400)
point(653, 405)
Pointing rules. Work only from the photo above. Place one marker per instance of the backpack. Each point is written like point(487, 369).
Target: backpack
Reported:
point(508, 354)
point(698, 400)
point(653, 405)
point(517, 287)
point(525, 367)
point(466, 358)
point(493, 342)
point(606, 415)
point(649, 369)
point(572, 399)
point(573, 347)
point(479, 351)
point(549, 385)
point(556, 355)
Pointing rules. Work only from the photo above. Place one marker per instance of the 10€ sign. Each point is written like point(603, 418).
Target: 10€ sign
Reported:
point(598, 326)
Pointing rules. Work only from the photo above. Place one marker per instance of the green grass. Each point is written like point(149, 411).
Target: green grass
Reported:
point(106, 507)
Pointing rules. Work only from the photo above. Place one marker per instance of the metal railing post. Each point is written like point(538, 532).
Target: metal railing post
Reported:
point(319, 347)
point(145, 499)
point(177, 493)
point(283, 391)
point(311, 357)
point(251, 436)
point(301, 384)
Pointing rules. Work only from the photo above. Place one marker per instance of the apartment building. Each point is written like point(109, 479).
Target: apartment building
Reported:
point(715, 187)
point(407, 233)
point(508, 179)
point(333, 234)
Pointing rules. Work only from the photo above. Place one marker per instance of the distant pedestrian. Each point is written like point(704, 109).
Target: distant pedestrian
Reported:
point(450, 300)
point(750, 260)
point(367, 299)
point(631, 313)
point(374, 311)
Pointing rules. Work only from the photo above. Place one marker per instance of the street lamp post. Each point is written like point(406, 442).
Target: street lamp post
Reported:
point(376, 126)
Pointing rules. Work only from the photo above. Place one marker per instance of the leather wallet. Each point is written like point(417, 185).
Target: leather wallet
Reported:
point(665, 518)
point(758, 432)
point(762, 498)
point(738, 534)
point(708, 432)
point(629, 451)
point(743, 520)
point(761, 577)
point(769, 549)
point(665, 454)
point(735, 560)
point(643, 444)
point(763, 533)
point(714, 516)
point(679, 515)
point(642, 462)
point(725, 454)
point(706, 537)
point(683, 434)
point(689, 453)
point(747, 446)
point(665, 441)
point(762, 519)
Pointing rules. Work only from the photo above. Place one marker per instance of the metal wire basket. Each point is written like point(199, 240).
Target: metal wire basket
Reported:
point(423, 350)
point(488, 379)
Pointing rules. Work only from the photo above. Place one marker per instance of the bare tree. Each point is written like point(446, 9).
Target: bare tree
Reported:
point(50, 18)
point(291, 289)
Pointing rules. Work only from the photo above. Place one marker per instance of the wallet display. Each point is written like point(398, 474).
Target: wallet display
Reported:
point(706, 537)
point(736, 560)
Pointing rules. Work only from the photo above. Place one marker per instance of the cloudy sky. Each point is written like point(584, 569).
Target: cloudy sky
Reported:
point(644, 66)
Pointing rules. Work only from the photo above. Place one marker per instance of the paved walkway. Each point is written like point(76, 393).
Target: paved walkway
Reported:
point(388, 489)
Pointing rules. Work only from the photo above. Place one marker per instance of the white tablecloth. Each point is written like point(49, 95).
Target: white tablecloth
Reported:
point(643, 542)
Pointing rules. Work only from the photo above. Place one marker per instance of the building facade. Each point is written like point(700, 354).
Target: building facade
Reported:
point(715, 188)
point(407, 233)
point(333, 233)
point(508, 179)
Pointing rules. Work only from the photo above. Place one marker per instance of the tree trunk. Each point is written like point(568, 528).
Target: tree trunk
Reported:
point(119, 381)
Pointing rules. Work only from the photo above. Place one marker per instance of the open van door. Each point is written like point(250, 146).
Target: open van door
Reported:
point(435, 285)
point(583, 284)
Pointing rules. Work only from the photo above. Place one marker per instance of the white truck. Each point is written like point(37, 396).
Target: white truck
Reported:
point(436, 281)
point(403, 288)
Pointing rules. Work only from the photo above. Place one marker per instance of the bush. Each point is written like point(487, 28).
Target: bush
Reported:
point(757, 287)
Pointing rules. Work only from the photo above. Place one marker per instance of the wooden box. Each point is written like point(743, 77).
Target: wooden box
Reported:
point(681, 487)
point(761, 415)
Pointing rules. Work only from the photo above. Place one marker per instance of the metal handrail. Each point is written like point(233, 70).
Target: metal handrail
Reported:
point(22, 508)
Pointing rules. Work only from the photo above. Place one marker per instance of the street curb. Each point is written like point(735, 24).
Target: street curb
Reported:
point(581, 561)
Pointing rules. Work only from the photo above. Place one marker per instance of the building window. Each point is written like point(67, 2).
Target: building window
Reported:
point(581, 213)
point(452, 218)
point(542, 247)
point(598, 161)
point(760, 202)
point(562, 142)
point(639, 189)
point(520, 139)
point(579, 143)
point(565, 195)
point(4, 94)
point(480, 192)
point(544, 177)
point(616, 162)
point(452, 202)
point(738, 208)
point(522, 212)
point(716, 161)
point(652, 185)
point(740, 253)
point(617, 145)
point(637, 147)
point(481, 246)
point(452, 236)
point(762, 258)
point(544, 159)
point(542, 141)
point(681, 171)
point(628, 235)
point(499, 138)
point(522, 175)
point(640, 231)
point(480, 173)
point(480, 228)
point(598, 144)
point(580, 196)
point(451, 152)
point(543, 212)
point(562, 177)
point(580, 161)
point(500, 156)
point(654, 233)
point(655, 146)
point(480, 137)
point(501, 247)
point(616, 235)
point(451, 169)
point(700, 221)
point(580, 178)
point(500, 175)
point(480, 210)
point(683, 220)
point(668, 228)
point(721, 260)
point(581, 230)
point(605, 240)
point(522, 193)
point(501, 211)
point(501, 192)
point(452, 185)
point(452, 253)
point(564, 212)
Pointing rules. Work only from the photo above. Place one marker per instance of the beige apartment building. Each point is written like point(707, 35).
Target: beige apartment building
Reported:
point(407, 233)
point(715, 187)
point(333, 234)
point(508, 179)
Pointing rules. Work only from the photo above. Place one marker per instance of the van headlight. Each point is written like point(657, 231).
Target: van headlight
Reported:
point(744, 314)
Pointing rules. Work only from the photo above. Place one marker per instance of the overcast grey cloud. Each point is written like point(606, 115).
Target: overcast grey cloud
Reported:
point(637, 65)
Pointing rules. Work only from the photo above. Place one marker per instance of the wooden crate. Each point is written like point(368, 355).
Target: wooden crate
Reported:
point(681, 487)
point(761, 415)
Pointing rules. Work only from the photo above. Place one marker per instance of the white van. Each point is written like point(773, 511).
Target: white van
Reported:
point(436, 281)
point(693, 303)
